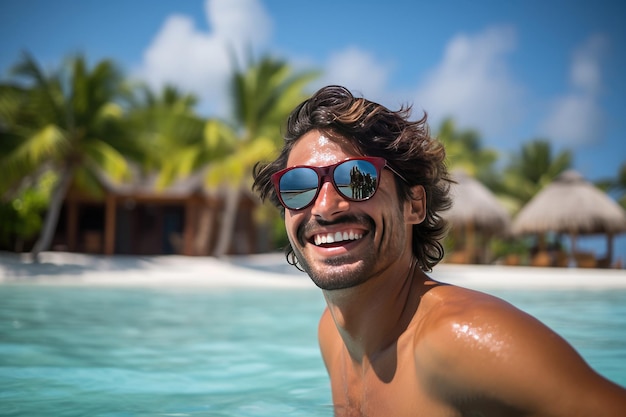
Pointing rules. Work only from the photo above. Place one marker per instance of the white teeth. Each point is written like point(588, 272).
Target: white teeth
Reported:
point(336, 237)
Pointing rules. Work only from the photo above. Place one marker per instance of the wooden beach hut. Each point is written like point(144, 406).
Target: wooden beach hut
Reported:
point(476, 214)
point(573, 206)
point(139, 217)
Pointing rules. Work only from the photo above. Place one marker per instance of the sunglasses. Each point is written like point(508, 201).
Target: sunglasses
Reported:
point(355, 179)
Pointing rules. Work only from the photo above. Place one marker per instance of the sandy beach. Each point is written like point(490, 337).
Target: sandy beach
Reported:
point(62, 268)
point(268, 270)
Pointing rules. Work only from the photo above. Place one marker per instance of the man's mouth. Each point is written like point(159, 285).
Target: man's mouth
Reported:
point(336, 237)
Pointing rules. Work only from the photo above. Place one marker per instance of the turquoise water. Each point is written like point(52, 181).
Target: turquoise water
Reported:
point(84, 351)
point(143, 352)
point(593, 321)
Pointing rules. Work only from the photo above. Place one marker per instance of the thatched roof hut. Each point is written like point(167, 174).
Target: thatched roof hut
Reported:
point(573, 206)
point(147, 184)
point(473, 203)
point(475, 211)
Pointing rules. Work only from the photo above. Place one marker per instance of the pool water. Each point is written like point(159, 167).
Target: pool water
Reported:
point(77, 351)
point(593, 321)
point(144, 352)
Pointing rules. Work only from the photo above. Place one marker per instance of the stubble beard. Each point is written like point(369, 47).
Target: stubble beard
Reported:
point(339, 272)
point(342, 271)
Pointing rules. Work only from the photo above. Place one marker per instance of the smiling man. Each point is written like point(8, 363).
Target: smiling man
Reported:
point(362, 188)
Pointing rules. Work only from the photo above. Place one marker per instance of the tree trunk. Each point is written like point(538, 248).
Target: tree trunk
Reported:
point(52, 215)
point(228, 223)
point(204, 234)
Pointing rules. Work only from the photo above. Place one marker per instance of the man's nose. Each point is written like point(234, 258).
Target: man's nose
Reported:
point(329, 202)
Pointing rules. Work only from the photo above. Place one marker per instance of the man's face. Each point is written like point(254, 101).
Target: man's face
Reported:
point(368, 236)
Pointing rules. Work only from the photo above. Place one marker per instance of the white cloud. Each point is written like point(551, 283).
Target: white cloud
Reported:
point(573, 120)
point(199, 61)
point(586, 72)
point(359, 71)
point(577, 118)
point(239, 21)
point(473, 83)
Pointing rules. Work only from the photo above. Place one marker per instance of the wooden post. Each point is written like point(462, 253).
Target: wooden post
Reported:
point(72, 224)
point(470, 242)
point(109, 225)
point(190, 227)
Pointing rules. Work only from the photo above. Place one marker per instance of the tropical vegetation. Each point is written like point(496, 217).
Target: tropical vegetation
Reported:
point(82, 121)
point(69, 123)
point(262, 95)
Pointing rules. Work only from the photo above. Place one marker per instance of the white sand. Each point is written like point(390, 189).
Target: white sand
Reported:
point(79, 269)
point(270, 270)
point(498, 276)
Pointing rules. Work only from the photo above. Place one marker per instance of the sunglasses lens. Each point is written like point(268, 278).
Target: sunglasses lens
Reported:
point(356, 179)
point(298, 187)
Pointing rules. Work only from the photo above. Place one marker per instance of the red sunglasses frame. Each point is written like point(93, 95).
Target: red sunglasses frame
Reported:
point(325, 174)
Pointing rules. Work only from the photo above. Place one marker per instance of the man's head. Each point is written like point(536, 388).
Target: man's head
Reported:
point(333, 126)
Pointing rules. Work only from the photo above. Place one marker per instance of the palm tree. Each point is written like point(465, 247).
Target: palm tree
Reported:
point(169, 131)
point(532, 169)
point(68, 122)
point(620, 184)
point(616, 185)
point(262, 95)
point(464, 150)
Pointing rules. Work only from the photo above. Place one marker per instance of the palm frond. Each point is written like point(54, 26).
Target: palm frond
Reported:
point(102, 156)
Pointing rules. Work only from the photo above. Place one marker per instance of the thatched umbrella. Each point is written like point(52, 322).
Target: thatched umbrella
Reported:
point(573, 206)
point(475, 209)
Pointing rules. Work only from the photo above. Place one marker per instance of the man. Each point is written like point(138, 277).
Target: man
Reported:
point(395, 342)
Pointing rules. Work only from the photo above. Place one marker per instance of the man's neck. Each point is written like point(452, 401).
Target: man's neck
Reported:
point(371, 316)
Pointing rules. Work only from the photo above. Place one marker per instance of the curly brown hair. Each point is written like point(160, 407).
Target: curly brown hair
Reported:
point(376, 131)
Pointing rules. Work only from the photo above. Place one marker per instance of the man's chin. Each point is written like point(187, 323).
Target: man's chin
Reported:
point(336, 274)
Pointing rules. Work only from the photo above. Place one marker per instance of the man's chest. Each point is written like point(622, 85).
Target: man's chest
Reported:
point(384, 389)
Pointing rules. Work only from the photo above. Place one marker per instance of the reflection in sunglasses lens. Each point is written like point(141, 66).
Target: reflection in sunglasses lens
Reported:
point(298, 187)
point(355, 179)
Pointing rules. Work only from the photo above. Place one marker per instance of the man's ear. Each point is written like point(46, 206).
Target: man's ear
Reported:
point(416, 205)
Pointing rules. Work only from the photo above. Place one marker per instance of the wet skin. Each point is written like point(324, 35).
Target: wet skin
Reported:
point(396, 343)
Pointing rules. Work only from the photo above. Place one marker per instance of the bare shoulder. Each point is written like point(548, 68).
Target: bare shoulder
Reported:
point(458, 326)
point(473, 345)
point(457, 321)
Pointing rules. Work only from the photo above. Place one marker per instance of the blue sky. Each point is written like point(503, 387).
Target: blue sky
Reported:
point(514, 70)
